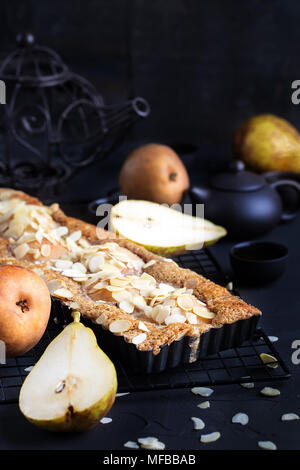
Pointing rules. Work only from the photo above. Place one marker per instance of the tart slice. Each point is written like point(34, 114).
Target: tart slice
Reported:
point(149, 301)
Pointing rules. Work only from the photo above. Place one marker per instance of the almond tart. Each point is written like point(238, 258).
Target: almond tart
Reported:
point(144, 299)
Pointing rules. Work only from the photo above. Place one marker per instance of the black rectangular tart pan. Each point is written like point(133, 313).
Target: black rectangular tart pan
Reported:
point(177, 353)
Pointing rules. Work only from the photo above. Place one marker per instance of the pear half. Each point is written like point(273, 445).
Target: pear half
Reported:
point(161, 229)
point(72, 386)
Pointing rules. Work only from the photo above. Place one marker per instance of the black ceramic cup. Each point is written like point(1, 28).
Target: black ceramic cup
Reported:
point(258, 262)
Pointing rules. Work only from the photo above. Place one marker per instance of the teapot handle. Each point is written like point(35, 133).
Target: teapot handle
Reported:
point(288, 213)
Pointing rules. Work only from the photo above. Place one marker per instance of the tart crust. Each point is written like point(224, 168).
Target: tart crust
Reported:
point(226, 307)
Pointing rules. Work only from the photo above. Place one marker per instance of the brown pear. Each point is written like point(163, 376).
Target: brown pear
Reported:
point(155, 173)
point(268, 143)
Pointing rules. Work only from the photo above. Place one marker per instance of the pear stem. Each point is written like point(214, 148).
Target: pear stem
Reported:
point(76, 316)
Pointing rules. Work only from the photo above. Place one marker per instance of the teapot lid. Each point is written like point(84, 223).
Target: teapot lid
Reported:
point(237, 179)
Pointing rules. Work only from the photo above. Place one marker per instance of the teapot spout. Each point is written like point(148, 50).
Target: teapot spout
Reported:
point(200, 194)
point(123, 115)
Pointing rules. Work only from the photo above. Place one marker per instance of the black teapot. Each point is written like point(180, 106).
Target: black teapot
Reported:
point(244, 202)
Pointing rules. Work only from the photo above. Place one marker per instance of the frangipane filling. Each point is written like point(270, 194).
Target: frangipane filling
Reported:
point(106, 272)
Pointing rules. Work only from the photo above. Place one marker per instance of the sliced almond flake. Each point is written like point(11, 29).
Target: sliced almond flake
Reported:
point(122, 394)
point(29, 368)
point(139, 338)
point(267, 445)
point(203, 391)
point(269, 360)
point(155, 446)
point(270, 392)
point(63, 264)
point(122, 296)
point(289, 417)
point(105, 420)
point(139, 301)
point(149, 277)
point(150, 263)
point(175, 318)
point(119, 326)
point(229, 286)
point(96, 262)
point(75, 236)
point(71, 273)
point(191, 318)
point(79, 267)
point(74, 305)
point(247, 385)
point(198, 423)
point(127, 306)
point(240, 418)
point(142, 326)
point(53, 285)
point(203, 312)
point(204, 405)
point(185, 302)
point(21, 250)
point(45, 250)
point(119, 282)
point(147, 440)
point(166, 288)
point(114, 288)
point(62, 231)
point(63, 293)
point(131, 445)
point(273, 339)
point(212, 437)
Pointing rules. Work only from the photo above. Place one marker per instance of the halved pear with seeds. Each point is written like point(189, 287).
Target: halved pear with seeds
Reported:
point(161, 229)
point(72, 386)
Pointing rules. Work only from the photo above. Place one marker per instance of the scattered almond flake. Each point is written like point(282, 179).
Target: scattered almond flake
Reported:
point(21, 250)
point(273, 339)
point(119, 282)
point(128, 307)
point(28, 369)
point(75, 236)
point(212, 437)
point(247, 384)
point(154, 446)
point(204, 405)
point(151, 443)
point(53, 285)
point(142, 326)
point(119, 326)
point(55, 319)
point(229, 286)
point(198, 423)
point(289, 417)
point(150, 263)
point(240, 418)
point(139, 339)
point(203, 391)
point(269, 360)
point(122, 394)
point(105, 420)
point(267, 445)
point(270, 392)
point(63, 293)
point(131, 445)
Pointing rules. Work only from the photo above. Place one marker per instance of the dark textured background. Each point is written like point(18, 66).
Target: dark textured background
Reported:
point(203, 66)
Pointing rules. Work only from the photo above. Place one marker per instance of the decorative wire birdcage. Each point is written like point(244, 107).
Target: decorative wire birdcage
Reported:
point(54, 122)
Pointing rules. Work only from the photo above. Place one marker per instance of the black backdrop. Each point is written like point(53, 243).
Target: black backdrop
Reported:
point(204, 66)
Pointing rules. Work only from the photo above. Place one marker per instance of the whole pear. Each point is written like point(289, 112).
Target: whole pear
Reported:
point(268, 143)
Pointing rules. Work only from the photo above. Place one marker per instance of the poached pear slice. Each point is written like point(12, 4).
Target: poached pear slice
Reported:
point(72, 386)
point(162, 230)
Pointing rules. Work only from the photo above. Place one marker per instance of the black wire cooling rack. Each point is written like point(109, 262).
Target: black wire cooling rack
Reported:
point(237, 365)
